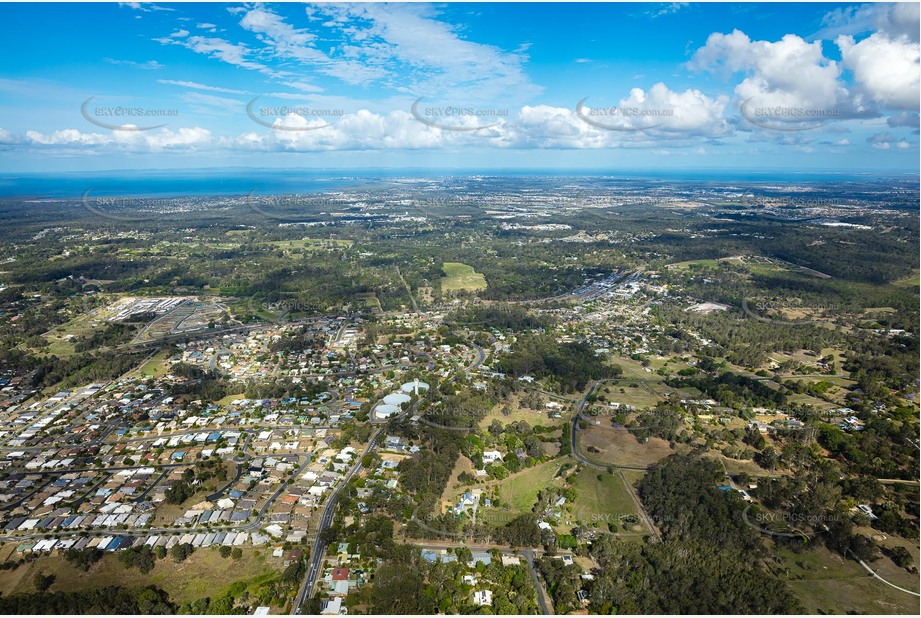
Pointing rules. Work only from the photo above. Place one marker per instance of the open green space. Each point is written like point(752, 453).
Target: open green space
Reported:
point(827, 583)
point(204, 574)
point(518, 492)
point(459, 277)
point(602, 499)
point(310, 244)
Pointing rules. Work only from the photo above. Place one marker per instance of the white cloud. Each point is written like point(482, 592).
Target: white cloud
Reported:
point(885, 70)
point(222, 50)
point(146, 7)
point(68, 137)
point(404, 47)
point(690, 112)
point(303, 86)
point(440, 61)
point(885, 141)
point(669, 8)
point(696, 117)
point(895, 20)
point(289, 43)
point(150, 65)
point(197, 86)
point(6, 137)
point(786, 73)
point(130, 141)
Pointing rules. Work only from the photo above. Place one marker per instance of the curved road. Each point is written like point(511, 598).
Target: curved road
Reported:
point(574, 448)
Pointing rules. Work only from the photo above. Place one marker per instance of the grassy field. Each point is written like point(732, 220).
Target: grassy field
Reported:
point(453, 487)
point(310, 244)
point(369, 300)
point(827, 583)
point(607, 445)
point(911, 281)
point(226, 400)
point(156, 366)
point(694, 264)
point(738, 466)
point(461, 277)
point(532, 417)
point(603, 499)
point(637, 387)
point(633, 476)
point(204, 574)
point(61, 338)
point(519, 491)
point(642, 395)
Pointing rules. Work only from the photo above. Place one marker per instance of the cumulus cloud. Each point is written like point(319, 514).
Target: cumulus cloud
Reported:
point(885, 141)
point(7, 138)
point(692, 116)
point(876, 73)
point(788, 73)
point(885, 70)
point(131, 141)
point(904, 119)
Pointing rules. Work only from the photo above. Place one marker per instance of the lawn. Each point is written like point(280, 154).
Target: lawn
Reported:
point(518, 492)
point(909, 281)
point(605, 444)
point(603, 499)
point(694, 264)
point(157, 366)
point(827, 583)
point(370, 301)
point(532, 417)
point(310, 244)
point(226, 400)
point(84, 325)
point(453, 487)
point(461, 277)
point(204, 574)
point(642, 395)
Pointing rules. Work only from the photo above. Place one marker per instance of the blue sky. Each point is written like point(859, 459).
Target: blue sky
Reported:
point(607, 86)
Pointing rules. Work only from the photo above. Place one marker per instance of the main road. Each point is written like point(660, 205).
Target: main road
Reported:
point(318, 552)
